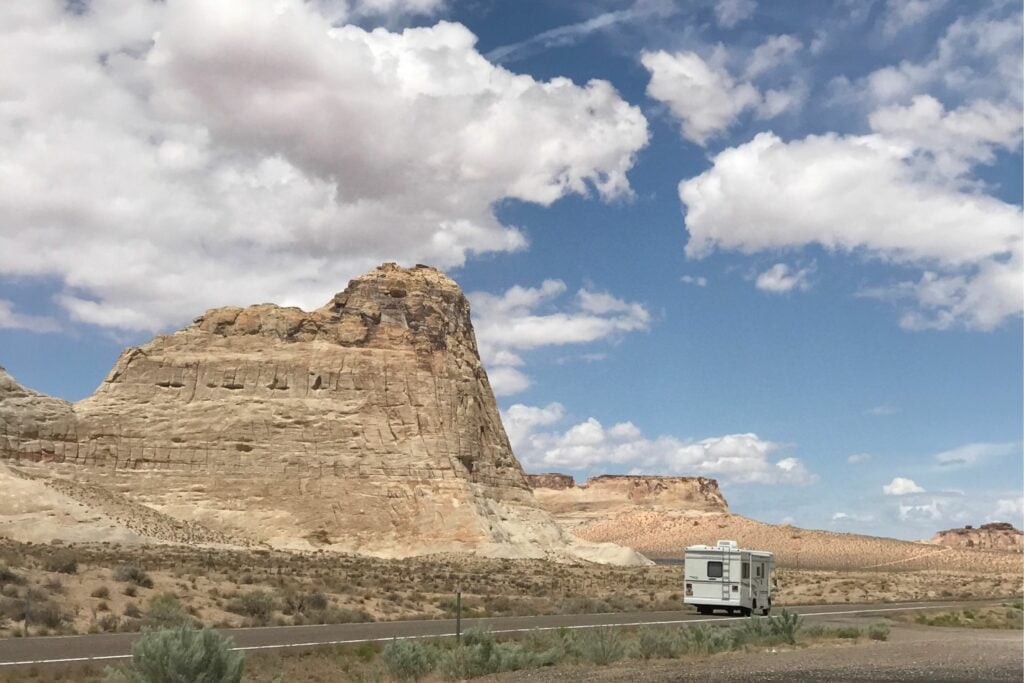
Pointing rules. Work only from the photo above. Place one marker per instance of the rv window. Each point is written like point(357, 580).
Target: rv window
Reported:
point(714, 570)
point(746, 570)
point(759, 568)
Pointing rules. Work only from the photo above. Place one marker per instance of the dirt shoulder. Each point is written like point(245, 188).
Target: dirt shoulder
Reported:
point(913, 654)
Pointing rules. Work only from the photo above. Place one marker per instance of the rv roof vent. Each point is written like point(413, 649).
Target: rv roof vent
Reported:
point(727, 544)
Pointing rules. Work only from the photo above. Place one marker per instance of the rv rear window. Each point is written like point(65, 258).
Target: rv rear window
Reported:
point(714, 570)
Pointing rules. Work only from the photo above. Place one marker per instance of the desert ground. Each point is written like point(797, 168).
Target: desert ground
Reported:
point(91, 588)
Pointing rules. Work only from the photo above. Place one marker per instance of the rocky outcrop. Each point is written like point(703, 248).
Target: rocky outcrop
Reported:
point(992, 536)
point(368, 425)
point(34, 425)
point(606, 496)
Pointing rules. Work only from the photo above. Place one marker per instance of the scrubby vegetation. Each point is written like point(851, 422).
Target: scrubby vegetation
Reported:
point(181, 654)
point(1008, 616)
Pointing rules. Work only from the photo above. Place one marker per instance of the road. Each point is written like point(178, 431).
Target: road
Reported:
point(109, 647)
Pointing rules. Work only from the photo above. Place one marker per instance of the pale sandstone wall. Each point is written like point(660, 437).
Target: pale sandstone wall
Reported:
point(992, 536)
point(367, 425)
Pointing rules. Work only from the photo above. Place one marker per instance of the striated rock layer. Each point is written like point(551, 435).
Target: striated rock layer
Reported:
point(992, 536)
point(607, 496)
point(367, 425)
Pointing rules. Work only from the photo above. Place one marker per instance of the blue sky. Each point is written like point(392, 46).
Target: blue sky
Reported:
point(778, 244)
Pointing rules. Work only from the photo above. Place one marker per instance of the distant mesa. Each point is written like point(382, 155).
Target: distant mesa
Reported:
point(368, 425)
point(993, 536)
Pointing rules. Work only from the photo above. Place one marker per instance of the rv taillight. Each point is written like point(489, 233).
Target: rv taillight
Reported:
point(689, 589)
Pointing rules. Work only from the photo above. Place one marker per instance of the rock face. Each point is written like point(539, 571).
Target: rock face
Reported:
point(993, 536)
point(607, 496)
point(367, 425)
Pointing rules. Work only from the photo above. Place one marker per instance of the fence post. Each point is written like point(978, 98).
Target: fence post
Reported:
point(458, 614)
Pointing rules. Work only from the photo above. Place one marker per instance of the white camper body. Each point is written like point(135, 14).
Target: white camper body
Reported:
point(728, 577)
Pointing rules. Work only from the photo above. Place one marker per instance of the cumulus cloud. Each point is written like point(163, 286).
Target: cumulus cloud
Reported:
point(728, 13)
point(978, 57)
point(901, 486)
point(858, 458)
point(162, 158)
point(780, 279)
point(973, 454)
point(734, 458)
point(526, 318)
point(1011, 509)
point(863, 194)
point(706, 99)
point(12, 320)
point(846, 517)
point(902, 14)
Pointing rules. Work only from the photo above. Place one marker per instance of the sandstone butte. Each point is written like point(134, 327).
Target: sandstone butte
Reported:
point(992, 536)
point(367, 426)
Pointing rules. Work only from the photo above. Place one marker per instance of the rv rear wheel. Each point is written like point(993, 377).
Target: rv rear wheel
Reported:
point(766, 610)
point(745, 611)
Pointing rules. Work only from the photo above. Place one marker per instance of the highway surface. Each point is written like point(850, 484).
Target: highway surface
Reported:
point(109, 647)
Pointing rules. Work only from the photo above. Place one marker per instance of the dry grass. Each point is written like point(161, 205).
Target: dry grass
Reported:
point(113, 587)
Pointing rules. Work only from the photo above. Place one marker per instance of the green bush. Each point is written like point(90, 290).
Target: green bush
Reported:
point(102, 592)
point(256, 605)
point(408, 660)
point(786, 626)
point(601, 645)
point(179, 655)
point(755, 630)
point(165, 611)
point(879, 631)
point(479, 655)
point(62, 562)
point(848, 632)
point(658, 643)
point(133, 574)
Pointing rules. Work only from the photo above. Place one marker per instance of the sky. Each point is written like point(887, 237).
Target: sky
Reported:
point(776, 244)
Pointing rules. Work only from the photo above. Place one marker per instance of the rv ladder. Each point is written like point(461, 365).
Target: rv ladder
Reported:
point(726, 565)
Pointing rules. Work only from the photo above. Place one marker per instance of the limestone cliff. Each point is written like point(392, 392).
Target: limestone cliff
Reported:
point(992, 536)
point(367, 425)
point(605, 496)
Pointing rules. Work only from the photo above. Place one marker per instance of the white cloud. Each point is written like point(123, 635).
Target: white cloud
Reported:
point(902, 14)
point(863, 194)
point(728, 13)
point(775, 50)
point(780, 279)
point(881, 410)
point(12, 320)
point(525, 318)
point(589, 445)
point(858, 458)
point(697, 280)
point(250, 151)
point(845, 517)
point(1009, 509)
point(973, 454)
point(930, 511)
point(978, 57)
point(901, 486)
point(705, 98)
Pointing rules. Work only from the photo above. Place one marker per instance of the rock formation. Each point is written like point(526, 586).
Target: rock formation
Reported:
point(606, 496)
point(368, 425)
point(993, 536)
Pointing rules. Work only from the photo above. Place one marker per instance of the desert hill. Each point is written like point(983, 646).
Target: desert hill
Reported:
point(992, 536)
point(368, 425)
point(660, 516)
point(606, 496)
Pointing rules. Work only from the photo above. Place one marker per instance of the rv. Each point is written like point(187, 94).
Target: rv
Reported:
point(728, 577)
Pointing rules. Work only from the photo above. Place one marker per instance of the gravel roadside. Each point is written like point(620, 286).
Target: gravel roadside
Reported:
point(912, 655)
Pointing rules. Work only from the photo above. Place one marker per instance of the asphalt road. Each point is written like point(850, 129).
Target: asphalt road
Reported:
point(109, 647)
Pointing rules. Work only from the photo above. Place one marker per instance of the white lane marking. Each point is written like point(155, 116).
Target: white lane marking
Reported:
point(509, 630)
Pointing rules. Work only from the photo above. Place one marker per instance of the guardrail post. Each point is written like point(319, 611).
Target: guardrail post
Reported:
point(458, 615)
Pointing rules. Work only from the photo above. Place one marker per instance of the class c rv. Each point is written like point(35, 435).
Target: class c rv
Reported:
point(728, 577)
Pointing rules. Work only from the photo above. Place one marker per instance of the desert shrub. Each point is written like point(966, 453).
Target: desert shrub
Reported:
point(754, 630)
point(704, 639)
point(132, 611)
point(657, 643)
point(102, 592)
point(786, 626)
point(8, 576)
point(62, 562)
point(601, 645)
point(408, 660)
point(108, 623)
point(256, 605)
point(879, 631)
point(181, 654)
point(165, 611)
point(131, 591)
point(848, 632)
point(133, 574)
point(479, 654)
point(46, 613)
point(315, 601)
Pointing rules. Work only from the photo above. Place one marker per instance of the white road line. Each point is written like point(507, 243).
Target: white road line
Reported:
point(320, 643)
